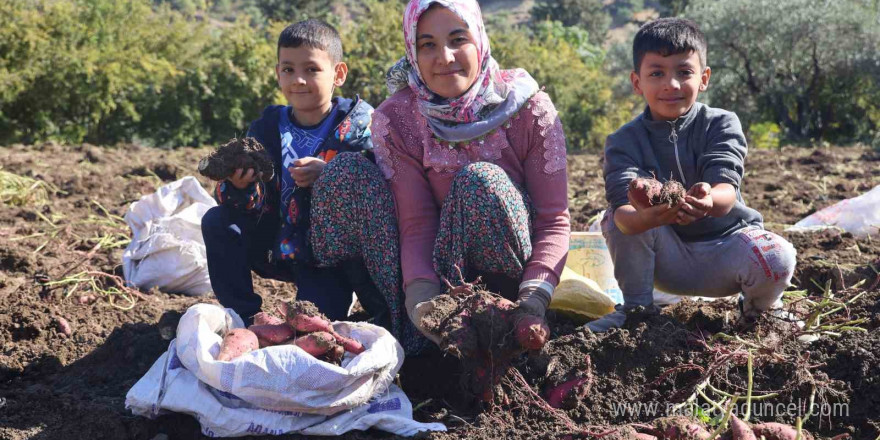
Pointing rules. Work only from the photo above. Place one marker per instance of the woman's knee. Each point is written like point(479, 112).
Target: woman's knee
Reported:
point(483, 174)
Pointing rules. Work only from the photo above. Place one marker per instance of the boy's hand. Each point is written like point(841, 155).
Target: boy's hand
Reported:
point(241, 179)
point(657, 215)
point(698, 204)
point(305, 171)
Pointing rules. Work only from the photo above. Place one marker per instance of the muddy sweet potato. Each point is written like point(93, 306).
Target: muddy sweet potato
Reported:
point(531, 332)
point(236, 343)
point(681, 428)
point(778, 431)
point(740, 430)
point(304, 317)
point(645, 191)
point(335, 355)
point(264, 318)
point(272, 334)
point(63, 326)
point(650, 192)
point(567, 391)
point(349, 344)
point(316, 344)
point(643, 436)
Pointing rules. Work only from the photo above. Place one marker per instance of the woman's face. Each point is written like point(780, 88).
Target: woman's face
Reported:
point(446, 53)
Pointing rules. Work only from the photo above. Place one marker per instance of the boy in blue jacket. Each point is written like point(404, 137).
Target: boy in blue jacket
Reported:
point(266, 227)
point(711, 244)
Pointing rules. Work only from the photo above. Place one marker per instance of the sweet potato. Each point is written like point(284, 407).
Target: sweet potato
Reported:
point(269, 334)
point(264, 318)
point(643, 436)
point(304, 317)
point(64, 328)
point(778, 431)
point(681, 428)
point(349, 344)
point(335, 355)
point(740, 430)
point(236, 343)
point(571, 389)
point(645, 191)
point(531, 332)
point(316, 344)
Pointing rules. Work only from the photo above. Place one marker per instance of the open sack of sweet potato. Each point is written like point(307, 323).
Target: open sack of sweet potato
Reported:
point(299, 373)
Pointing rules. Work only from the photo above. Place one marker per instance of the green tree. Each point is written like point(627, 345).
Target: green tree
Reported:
point(214, 95)
point(105, 71)
point(65, 66)
point(373, 42)
point(572, 75)
point(672, 8)
point(588, 14)
point(291, 11)
point(812, 67)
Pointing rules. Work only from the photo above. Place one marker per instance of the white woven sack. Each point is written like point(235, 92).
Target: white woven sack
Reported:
point(285, 377)
point(167, 250)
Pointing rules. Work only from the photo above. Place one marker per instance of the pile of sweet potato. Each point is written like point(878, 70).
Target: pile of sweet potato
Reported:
point(303, 326)
point(684, 428)
point(486, 332)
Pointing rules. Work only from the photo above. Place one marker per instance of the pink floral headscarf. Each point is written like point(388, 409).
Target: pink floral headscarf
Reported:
point(495, 95)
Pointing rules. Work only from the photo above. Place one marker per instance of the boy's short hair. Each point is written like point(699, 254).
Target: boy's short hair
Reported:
point(669, 36)
point(313, 33)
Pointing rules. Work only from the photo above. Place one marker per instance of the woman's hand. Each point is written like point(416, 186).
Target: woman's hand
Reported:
point(419, 302)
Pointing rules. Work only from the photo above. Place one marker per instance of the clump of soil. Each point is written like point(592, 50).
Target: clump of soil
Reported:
point(672, 193)
point(650, 192)
point(245, 153)
point(486, 332)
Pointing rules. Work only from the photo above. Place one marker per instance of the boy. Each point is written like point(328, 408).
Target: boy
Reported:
point(265, 226)
point(710, 244)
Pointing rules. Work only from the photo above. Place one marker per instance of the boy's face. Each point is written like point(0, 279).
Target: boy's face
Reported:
point(307, 77)
point(670, 84)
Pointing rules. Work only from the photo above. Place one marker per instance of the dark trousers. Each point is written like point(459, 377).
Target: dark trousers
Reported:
point(233, 254)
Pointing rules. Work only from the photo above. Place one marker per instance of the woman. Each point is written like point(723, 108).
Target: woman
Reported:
point(475, 157)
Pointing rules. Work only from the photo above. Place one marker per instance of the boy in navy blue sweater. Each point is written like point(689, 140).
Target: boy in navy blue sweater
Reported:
point(266, 227)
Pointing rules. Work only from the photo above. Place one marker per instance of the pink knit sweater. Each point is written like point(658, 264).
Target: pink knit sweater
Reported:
point(530, 147)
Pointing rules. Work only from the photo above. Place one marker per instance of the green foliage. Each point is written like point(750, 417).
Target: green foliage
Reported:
point(291, 11)
point(672, 8)
point(371, 47)
point(574, 78)
point(215, 94)
point(106, 71)
point(812, 67)
point(587, 14)
point(621, 11)
point(65, 66)
point(764, 135)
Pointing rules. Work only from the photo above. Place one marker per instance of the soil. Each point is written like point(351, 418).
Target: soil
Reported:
point(244, 153)
point(54, 385)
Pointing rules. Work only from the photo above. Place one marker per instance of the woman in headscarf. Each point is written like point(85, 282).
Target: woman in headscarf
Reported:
point(476, 161)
